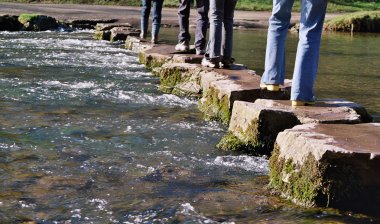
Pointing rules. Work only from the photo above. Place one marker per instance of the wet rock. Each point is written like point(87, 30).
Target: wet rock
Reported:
point(136, 44)
point(332, 165)
point(156, 56)
point(103, 30)
point(121, 33)
point(35, 22)
point(223, 87)
point(181, 79)
point(166, 173)
point(9, 23)
point(254, 126)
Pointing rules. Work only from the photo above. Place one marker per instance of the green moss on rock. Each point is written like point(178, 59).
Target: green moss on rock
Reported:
point(314, 183)
point(24, 18)
point(149, 61)
point(169, 78)
point(214, 107)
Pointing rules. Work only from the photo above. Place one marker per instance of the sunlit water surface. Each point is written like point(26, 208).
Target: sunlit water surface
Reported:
point(86, 137)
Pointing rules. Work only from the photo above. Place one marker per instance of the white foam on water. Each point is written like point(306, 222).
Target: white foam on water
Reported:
point(79, 85)
point(248, 163)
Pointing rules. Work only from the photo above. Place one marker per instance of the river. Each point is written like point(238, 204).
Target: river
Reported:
point(87, 137)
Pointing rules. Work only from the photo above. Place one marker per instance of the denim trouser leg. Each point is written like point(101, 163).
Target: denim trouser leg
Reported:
point(275, 52)
point(157, 9)
point(228, 22)
point(145, 11)
point(202, 24)
point(216, 24)
point(183, 19)
point(306, 65)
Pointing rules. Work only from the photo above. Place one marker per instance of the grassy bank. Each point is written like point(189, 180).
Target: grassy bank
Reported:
point(356, 22)
point(258, 5)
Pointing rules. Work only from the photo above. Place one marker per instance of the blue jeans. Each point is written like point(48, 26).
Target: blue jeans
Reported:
point(221, 28)
point(202, 22)
point(145, 11)
point(306, 65)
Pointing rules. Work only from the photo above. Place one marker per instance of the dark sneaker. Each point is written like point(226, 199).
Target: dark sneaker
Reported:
point(183, 46)
point(154, 40)
point(227, 62)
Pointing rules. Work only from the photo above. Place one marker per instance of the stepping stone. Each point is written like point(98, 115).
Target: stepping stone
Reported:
point(333, 165)
point(254, 126)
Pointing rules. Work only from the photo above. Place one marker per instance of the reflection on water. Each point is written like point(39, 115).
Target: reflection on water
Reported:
point(86, 137)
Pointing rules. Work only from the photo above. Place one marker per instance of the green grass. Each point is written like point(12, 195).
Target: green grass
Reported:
point(23, 18)
point(365, 21)
point(257, 5)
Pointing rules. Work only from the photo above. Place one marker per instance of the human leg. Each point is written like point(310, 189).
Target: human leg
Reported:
point(274, 73)
point(306, 65)
point(183, 19)
point(202, 25)
point(227, 33)
point(145, 11)
point(157, 8)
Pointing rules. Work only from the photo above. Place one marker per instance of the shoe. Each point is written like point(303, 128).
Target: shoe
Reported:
point(183, 46)
point(270, 87)
point(154, 40)
point(142, 35)
point(200, 51)
point(227, 62)
point(298, 103)
point(210, 62)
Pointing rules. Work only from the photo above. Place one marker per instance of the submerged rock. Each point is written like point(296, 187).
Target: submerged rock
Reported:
point(329, 165)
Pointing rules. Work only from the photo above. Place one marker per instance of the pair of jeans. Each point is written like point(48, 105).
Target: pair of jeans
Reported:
point(221, 28)
point(307, 57)
point(145, 11)
point(202, 22)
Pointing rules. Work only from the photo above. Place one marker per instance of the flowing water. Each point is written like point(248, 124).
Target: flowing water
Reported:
point(86, 137)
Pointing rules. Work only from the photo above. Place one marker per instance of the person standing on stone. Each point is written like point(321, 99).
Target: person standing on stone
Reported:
point(307, 57)
point(201, 29)
point(145, 11)
point(219, 47)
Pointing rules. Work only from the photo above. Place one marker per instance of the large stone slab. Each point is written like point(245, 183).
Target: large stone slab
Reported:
point(238, 83)
point(136, 44)
point(334, 165)
point(254, 126)
point(121, 33)
point(103, 30)
point(36, 22)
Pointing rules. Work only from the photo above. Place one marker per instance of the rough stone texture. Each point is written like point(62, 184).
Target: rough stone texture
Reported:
point(87, 23)
point(31, 22)
point(223, 87)
point(156, 56)
point(109, 26)
point(103, 30)
point(257, 124)
point(334, 165)
point(136, 44)
point(181, 79)
point(121, 33)
point(9, 23)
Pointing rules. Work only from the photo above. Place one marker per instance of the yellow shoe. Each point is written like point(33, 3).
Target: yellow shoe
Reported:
point(298, 103)
point(270, 87)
